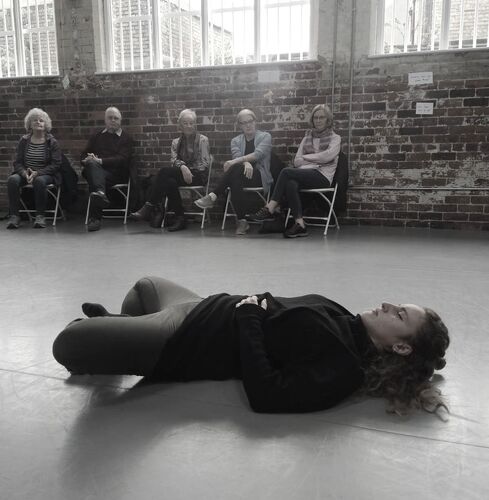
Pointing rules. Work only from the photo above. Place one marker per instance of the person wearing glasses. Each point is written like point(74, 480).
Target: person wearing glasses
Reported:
point(249, 167)
point(314, 167)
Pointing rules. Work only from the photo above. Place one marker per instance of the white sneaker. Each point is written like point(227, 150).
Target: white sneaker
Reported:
point(205, 202)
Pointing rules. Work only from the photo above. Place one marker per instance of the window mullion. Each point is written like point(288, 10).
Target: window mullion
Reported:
point(445, 24)
point(109, 39)
point(476, 22)
point(19, 39)
point(156, 18)
point(257, 30)
point(205, 31)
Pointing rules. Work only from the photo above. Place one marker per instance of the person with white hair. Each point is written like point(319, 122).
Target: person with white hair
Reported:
point(189, 165)
point(37, 163)
point(106, 160)
point(249, 167)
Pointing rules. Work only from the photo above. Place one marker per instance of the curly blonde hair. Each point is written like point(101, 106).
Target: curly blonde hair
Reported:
point(34, 113)
point(406, 381)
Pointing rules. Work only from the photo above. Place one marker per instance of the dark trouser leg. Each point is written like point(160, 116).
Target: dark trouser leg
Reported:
point(127, 345)
point(152, 294)
point(306, 178)
point(40, 185)
point(14, 183)
point(235, 179)
point(166, 184)
point(95, 175)
point(98, 179)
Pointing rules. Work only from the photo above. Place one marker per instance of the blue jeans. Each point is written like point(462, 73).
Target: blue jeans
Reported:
point(291, 180)
point(40, 183)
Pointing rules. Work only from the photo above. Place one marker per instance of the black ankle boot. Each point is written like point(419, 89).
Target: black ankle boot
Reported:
point(144, 213)
point(156, 218)
point(179, 224)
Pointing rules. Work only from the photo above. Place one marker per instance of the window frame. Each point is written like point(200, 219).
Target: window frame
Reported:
point(108, 59)
point(18, 33)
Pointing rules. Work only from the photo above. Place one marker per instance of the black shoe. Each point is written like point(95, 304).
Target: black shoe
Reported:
point(94, 224)
point(99, 199)
point(261, 216)
point(156, 218)
point(179, 224)
point(296, 231)
point(144, 213)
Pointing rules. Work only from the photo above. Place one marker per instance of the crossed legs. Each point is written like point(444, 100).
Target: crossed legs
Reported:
point(131, 344)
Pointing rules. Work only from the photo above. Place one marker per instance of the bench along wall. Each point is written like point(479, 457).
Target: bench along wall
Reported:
point(405, 169)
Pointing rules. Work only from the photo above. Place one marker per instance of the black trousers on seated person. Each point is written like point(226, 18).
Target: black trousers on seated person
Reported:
point(235, 179)
point(100, 179)
point(291, 180)
point(39, 184)
point(167, 182)
point(129, 345)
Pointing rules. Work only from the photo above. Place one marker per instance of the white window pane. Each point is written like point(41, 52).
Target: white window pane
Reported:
point(181, 33)
point(231, 32)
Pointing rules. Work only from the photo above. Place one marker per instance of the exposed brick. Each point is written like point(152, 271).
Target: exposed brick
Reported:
point(410, 130)
point(476, 101)
point(462, 92)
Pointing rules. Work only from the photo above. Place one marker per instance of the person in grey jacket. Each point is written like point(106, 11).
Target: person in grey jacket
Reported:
point(249, 167)
point(37, 163)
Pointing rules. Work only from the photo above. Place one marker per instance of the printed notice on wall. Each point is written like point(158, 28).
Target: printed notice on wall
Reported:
point(424, 108)
point(422, 78)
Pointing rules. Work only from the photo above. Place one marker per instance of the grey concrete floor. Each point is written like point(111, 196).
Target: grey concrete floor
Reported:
point(107, 438)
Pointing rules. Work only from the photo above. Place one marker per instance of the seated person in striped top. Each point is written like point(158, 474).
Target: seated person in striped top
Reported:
point(314, 167)
point(37, 162)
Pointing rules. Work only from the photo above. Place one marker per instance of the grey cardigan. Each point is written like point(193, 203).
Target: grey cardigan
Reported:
point(263, 151)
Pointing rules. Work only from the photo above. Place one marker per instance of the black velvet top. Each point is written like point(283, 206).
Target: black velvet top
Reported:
point(301, 354)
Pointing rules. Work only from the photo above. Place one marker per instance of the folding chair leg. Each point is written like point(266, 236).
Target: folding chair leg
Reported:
point(56, 208)
point(88, 208)
point(204, 213)
point(287, 218)
point(165, 208)
point(228, 199)
point(127, 202)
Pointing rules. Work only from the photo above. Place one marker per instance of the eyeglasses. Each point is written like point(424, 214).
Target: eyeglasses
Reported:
point(247, 122)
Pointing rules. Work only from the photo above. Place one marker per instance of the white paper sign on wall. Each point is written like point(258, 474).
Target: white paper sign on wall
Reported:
point(423, 78)
point(424, 108)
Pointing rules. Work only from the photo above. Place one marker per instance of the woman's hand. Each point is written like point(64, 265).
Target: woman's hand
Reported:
point(253, 299)
point(227, 165)
point(248, 170)
point(186, 173)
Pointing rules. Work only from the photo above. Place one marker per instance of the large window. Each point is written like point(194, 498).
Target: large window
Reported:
point(145, 34)
point(422, 25)
point(27, 38)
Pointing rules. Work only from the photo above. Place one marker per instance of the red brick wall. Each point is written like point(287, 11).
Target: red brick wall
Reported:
point(392, 148)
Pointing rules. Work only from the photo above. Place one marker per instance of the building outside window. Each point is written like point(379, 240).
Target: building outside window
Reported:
point(430, 25)
point(27, 38)
point(146, 34)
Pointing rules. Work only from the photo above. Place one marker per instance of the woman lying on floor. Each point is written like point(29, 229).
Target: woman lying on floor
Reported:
point(296, 354)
